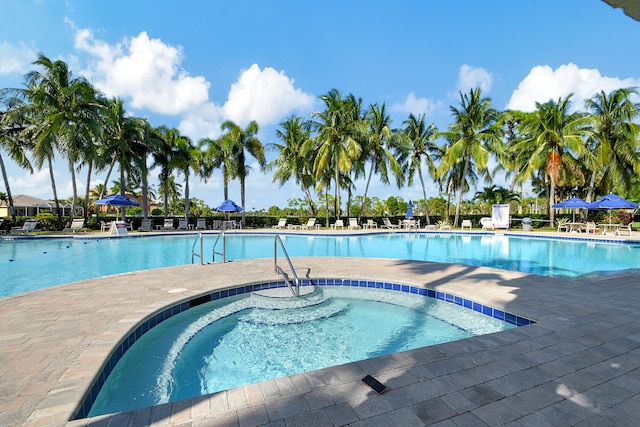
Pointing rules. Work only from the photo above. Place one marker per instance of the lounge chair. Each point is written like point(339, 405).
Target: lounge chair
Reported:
point(387, 224)
point(353, 224)
point(466, 223)
point(563, 225)
point(282, 223)
point(29, 226)
point(76, 225)
point(105, 226)
point(145, 225)
point(310, 224)
point(183, 224)
point(371, 224)
point(487, 223)
point(443, 225)
point(624, 230)
point(201, 224)
point(168, 224)
point(338, 223)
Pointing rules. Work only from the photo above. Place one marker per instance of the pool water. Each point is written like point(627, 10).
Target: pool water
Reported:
point(30, 264)
point(242, 340)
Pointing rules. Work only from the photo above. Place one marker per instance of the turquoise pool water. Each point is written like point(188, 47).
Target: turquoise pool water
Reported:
point(30, 264)
point(242, 340)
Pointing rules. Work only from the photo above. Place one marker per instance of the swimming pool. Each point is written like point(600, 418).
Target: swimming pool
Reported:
point(245, 339)
point(28, 264)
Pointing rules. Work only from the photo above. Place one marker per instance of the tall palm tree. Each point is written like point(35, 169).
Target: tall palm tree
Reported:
point(186, 158)
point(338, 133)
point(615, 138)
point(125, 137)
point(292, 161)
point(553, 133)
point(422, 146)
point(218, 154)
point(246, 142)
point(473, 136)
point(162, 155)
point(381, 150)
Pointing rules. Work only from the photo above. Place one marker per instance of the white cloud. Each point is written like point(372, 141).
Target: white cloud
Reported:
point(264, 96)
point(416, 106)
point(146, 71)
point(471, 77)
point(36, 184)
point(543, 84)
point(15, 59)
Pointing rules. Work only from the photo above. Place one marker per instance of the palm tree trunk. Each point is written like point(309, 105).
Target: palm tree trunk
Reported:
point(106, 180)
point(366, 190)
point(166, 196)
point(461, 190)
point(88, 189)
point(244, 208)
point(145, 192)
point(186, 194)
point(424, 194)
point(55, 191)
point(122, 188)
point(307, 194)
point(74, 186)
point(592, 185)
point(12, 211)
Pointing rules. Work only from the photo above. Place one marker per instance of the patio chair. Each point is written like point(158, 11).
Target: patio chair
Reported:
point(201, 224)
point(443, 225)
point(563, 225)
point(183, 224)
point(466, 223)
point(387, 224)
point(624, 230)
point(487, 223)
point(282, 223)
point(76, 225)
point(371, 224)
point(338, 223)
point(145, 225)
point(168, 224)
point(353, 224)
point(591, 227)
point(29, 226)
point(310, 224)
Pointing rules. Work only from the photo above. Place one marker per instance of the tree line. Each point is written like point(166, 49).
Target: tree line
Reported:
point(556, 149)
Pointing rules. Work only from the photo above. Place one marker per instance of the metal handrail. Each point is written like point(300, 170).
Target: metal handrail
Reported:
point(296, 281)
point(200, 239)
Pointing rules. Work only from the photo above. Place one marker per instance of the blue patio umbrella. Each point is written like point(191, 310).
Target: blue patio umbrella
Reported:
point(116, 200)
point(572, 203)
point(612, 201)
point(228, 206)
point(409, 214)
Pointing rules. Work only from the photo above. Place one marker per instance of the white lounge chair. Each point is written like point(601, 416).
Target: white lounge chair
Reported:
point(29, 226)
point(183, 224)
point(145, 225)
point(386, 223)
point(201, 224)
point(76, 225)
point(168, 224)
point(310, 224)
point(591, 227)
point(338, 223)
point(353, 224)
point(487, 223)
point(282, 223)
point(466, 223)
point(624, 230)
point(371, 224)
point(443, 225)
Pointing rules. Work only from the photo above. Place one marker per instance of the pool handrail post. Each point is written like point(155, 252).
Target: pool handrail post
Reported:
point(294, 290)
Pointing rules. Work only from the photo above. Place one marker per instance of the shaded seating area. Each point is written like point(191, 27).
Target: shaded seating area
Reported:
point(29, 226)
point(77, 224)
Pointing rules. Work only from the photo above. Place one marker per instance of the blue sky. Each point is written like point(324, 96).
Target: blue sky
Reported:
point(196, 64)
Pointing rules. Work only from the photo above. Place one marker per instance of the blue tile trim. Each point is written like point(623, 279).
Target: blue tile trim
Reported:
point(146, 325)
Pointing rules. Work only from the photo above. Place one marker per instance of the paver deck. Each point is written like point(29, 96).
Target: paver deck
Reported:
point(579, 365)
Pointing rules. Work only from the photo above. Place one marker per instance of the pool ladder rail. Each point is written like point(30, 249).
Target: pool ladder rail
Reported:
point(293, 283)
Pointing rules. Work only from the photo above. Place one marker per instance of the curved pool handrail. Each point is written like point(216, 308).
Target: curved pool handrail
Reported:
point(295, 290)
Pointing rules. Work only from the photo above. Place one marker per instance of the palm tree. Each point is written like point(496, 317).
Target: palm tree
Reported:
point(615, 138)
point(553, 136)
point(246, 142)
point(381, 149)
point(186, 157)
point(422, 140)
point(338, 132)
point(218, 154)
point(291, 161)
point(162, 154)
point(125, 137)
point(473, 136)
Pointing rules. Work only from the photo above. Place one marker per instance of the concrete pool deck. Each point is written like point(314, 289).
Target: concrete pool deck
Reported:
point(579, 365)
